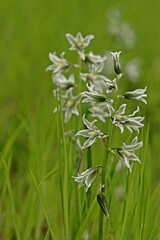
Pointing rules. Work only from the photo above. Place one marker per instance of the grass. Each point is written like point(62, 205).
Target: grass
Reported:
point(30, 166)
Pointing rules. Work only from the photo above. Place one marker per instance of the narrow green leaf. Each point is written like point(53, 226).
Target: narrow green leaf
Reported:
point(41, 202)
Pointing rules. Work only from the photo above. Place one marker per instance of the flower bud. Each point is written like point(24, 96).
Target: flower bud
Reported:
point(117, 66)
point(102, 201)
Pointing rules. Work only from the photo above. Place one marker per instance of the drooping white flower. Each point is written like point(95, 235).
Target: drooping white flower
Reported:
point(79, 43)
point(98, 110)
point(95, 59)
point(92, 132)
point(126, 152)
point(129, 121)
point(64, 83)
point(87, 177)
point(69, 104)
point(94, 73)
point(95, 95)
point(58, 63)
point(138, 94)
point(110, 84)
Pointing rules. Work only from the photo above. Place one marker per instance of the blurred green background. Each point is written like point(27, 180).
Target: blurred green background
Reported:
point(30, 29)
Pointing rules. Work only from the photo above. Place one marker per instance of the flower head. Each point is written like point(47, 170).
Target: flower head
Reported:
point(126, 152)
point(79, 43)
point(58, 63)
point(129, 121)
point(117, 66)
point(138, 94)
point(92, 133)
point(87, 177)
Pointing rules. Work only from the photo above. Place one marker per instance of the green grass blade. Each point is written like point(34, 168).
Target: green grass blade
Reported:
point(48, 175)
point(86, 220)
point(12, 138)
point(47, 237)
point(41, 202)
point(12, 204)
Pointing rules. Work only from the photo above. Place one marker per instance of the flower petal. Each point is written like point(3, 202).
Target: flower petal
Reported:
point(89, 142)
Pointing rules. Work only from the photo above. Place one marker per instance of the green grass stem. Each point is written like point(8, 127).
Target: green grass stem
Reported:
point(11, 198)
point(42, 203)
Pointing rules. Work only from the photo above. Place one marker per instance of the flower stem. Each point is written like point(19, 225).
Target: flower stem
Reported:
point(89, 163)
point(107, 144)
point(63, 166)
point(79, 72)
point(104, 180)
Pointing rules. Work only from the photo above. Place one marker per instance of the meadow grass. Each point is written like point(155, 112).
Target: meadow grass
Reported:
point(132, 202)
point(33, 160)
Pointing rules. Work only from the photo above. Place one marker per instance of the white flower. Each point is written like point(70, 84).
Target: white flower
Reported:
point(95, 59)
point(92, 133)
point(69, 104)
point(79, 43)
point(126, 152)
point(95, 95)
point(129, 121)
point(98, 110)
point(111, 84)
point(87, 177)
point(61, 81)
point(93, 74)
point(117, 66)
point(138, 94)
point(59, 63)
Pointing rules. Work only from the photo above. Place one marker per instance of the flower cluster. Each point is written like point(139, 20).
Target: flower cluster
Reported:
point(88, 85)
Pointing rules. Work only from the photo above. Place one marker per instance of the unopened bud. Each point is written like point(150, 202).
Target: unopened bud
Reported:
point(117, 66)
point(102, 201)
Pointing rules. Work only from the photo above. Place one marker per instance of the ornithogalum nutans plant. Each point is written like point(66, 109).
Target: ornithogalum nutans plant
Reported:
point(94, 101)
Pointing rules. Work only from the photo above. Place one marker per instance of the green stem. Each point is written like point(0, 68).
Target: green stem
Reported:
point(107, 143)
point(80, 68)
point(77, 127)
point(89, 163)
point(89, 157)
point(63, 170)
point(104, 180)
